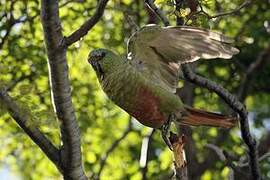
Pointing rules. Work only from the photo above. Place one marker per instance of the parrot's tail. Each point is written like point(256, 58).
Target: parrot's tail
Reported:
point(196, 117)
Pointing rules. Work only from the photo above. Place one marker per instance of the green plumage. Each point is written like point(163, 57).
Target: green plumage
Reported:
point(144, 83)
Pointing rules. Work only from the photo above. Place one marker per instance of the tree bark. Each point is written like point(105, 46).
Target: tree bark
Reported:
point(61, 91)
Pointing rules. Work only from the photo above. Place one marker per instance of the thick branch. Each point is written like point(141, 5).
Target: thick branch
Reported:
point(83, 30)
point(180, 163)
point(22, 119)
point(236, 106)
point(61, 91)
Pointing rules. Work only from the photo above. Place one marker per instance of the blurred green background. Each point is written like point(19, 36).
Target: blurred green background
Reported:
point(24, 70)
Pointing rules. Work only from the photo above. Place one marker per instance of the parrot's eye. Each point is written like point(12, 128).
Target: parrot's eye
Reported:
point(97, 56)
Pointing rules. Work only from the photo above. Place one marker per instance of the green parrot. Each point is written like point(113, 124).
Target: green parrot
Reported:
point(144, 83)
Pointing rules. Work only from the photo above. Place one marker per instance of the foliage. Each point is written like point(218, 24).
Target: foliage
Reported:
point(23, 68)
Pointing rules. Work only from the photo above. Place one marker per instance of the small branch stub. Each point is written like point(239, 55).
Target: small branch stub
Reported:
point(180, 162)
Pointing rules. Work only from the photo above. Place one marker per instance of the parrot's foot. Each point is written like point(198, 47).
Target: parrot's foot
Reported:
point(165, 131)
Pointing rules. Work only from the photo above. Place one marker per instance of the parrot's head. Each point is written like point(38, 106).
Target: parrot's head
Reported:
point(102, 61)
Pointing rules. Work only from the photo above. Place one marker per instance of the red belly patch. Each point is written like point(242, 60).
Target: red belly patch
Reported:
point(147, 109)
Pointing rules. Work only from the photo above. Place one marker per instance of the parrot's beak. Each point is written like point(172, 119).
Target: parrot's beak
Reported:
point(94, 64)
point(97, 67)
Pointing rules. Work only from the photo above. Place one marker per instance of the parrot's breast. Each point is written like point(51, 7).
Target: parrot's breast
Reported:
point(147, 108)
point(140, 97)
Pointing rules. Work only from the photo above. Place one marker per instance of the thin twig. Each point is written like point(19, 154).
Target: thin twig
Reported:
point(111, 149)
point(261, 61)
point(218, 151)
point(159, 13)
point(262, 158)
point(83, 30)
point(22, 119)
point(234, 11)
point(244, 4)
point(228, 162)
point(131, 22)
point(13, 83)
point(223, 156)
point(70, 1)
point(9, 24)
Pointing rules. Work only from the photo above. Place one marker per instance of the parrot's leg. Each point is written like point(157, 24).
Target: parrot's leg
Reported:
point(165, 128)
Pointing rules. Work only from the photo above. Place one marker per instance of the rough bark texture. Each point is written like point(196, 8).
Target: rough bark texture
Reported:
point(180, 162)
point(61, 91)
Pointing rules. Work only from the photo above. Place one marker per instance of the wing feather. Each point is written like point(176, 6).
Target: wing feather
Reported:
point(163, 50)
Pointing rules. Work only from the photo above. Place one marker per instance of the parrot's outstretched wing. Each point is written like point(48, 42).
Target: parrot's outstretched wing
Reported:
point(162, 50)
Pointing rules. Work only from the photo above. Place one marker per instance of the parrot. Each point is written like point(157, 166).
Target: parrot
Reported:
point(144, 82)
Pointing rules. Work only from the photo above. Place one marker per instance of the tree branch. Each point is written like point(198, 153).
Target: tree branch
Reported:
point(61, 91)
point(262, 59)
point(158, 12)
point(261, 158)
point(230, 100)
point(234, 11)
point(244, 4)
point(88, 25)
point(22, 119)
point(70, 1)
point(111, 149)
point(223, 156)
point(10, 23)
point(228, 159)
point(237, 107)
point(217, 150)
point(264, 145)
point(23, 77)
point(180, 163)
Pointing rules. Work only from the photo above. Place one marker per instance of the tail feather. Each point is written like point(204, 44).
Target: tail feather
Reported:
point(196, 117)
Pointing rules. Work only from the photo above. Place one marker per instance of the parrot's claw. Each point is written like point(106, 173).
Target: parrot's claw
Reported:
point(165, 131)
